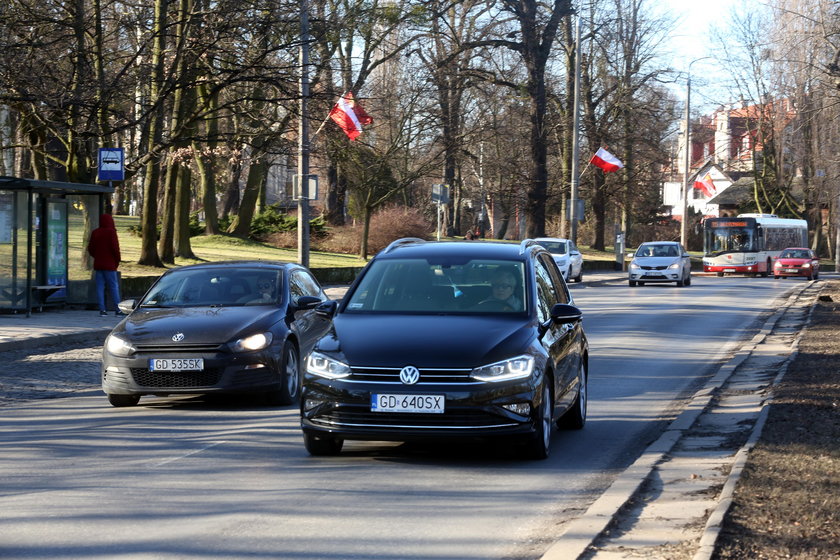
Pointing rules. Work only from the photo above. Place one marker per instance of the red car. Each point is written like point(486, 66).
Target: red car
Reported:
point(797, 261)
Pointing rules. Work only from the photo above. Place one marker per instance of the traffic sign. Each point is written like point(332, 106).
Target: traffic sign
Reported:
point(111, 164)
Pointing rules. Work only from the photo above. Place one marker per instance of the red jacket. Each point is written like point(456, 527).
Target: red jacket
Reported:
point(104, 246)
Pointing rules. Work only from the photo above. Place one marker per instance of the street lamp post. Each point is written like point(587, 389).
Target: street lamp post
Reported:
point(687, 165)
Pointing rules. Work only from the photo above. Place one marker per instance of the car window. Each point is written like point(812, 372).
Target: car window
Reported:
point(420, 286)
point(547, 293)
point(301, 283)
point(213, 287)
point(556, 247)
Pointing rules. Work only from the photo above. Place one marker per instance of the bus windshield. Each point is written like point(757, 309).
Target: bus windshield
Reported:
point(730, 240)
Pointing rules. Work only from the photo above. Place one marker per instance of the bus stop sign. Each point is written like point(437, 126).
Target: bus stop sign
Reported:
point(111, 164)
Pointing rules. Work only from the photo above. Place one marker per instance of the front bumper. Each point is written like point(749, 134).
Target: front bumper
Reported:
point(223, 373)
point(656, 276)
point(342, 409)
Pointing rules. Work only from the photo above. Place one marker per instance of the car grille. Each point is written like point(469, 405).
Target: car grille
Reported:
point(203, 348)
point(654, 267)
point(428, 376)
point(475, 419)
point(176, 379)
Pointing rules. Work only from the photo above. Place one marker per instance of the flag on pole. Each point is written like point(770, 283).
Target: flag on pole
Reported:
point(349, 115)
point(707, 186)
point(606, 161)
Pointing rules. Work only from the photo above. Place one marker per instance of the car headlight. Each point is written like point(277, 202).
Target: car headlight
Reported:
point(324, 366)
point(806, 265)
point(634, 265)
point(118, 346)
point(675, 265)
point(777, 265)
point(514, 368)
point(251, 343)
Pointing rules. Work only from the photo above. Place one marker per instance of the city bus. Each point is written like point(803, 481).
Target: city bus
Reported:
point(749, 243)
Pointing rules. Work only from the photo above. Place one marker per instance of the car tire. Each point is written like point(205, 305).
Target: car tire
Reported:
point(816, 276)
point(290, 379)
point(641, 283)
point(776, 276)
point(575, 417)
point(322, 446)
point(632, 283)
point(579, 277)
point(719, 274)
point(681, 282)
point(688, 279)
point(538, 443)
point(121, 401)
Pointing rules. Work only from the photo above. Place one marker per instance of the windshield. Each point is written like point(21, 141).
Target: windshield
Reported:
point(555, 247)
point(652, 250)
point(214, 288)
point(795, 254)
point(418, 286)
point(730, 240)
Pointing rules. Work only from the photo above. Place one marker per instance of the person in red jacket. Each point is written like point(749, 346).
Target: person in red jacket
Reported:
point(104, 247)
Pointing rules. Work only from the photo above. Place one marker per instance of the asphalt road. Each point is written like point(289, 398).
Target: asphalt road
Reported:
point(190, 477)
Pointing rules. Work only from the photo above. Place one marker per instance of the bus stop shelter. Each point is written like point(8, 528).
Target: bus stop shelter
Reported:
point(44, 229)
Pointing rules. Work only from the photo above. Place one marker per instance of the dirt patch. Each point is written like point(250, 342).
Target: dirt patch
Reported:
point(787, 502)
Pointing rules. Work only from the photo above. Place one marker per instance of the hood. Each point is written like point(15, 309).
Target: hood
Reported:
point(199, 325)
point(451, 341)
point(655, 261)
point(106, 221)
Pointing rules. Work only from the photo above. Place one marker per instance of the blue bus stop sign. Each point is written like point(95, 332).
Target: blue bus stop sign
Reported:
point(111, 164)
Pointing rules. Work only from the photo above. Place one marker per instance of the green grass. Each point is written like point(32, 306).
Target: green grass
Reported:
point(214, 248)
point(223, 248)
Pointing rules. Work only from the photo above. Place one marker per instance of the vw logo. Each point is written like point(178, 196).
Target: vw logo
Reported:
point(409, 375)
point(178, 337)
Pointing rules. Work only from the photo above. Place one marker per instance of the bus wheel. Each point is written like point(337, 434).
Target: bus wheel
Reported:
point(719, 274)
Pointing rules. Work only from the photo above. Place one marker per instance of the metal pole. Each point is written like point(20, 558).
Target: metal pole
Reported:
point(687, 166)
point(573, 197)
point(303, 139)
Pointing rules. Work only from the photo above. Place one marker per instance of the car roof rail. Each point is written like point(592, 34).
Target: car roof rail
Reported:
point(401, 242)
point(525, 244)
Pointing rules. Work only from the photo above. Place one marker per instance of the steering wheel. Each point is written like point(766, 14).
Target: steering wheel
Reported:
point(493, 305)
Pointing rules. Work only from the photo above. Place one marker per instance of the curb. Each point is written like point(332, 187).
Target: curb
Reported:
point(579, 535)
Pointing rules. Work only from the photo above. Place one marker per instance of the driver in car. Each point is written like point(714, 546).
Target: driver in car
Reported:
point(504, 291)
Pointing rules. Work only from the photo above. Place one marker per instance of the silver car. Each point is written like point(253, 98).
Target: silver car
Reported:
point(660, 261)
point(567, 256)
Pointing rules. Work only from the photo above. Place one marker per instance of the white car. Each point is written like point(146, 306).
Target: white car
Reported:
point(660, 261)
point(567, 256)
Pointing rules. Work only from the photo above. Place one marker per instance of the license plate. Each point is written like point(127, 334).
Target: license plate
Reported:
point(176, 364)
point(729, 270)
point(433, 404)
point(791, 270)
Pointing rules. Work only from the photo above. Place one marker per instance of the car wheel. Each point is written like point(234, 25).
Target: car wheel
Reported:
point(688, 279)
point(579, 277)
point(816, 275)
point(575, 417)
point(641, 283)
point(538, 443)
point(322, 445)
point(681, 282)
point(776, 276)
point(632, 283)
point(719, 274)
point(123, 400)
point(289, 378)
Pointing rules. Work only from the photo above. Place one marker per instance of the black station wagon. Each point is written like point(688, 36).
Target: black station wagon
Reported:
point(449, 340)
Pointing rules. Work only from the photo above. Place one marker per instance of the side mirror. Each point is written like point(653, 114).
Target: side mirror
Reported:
point(307, 302)
point(326, 308)
point(127, 305)
point(565, 313)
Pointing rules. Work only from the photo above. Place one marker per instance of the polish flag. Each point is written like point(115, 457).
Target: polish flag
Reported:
point(606, 161)
point(706, 185)
point(350, 116)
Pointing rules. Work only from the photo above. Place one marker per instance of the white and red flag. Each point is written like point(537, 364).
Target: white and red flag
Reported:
point(349, 115)
point(706, 185)
point(606, 161)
